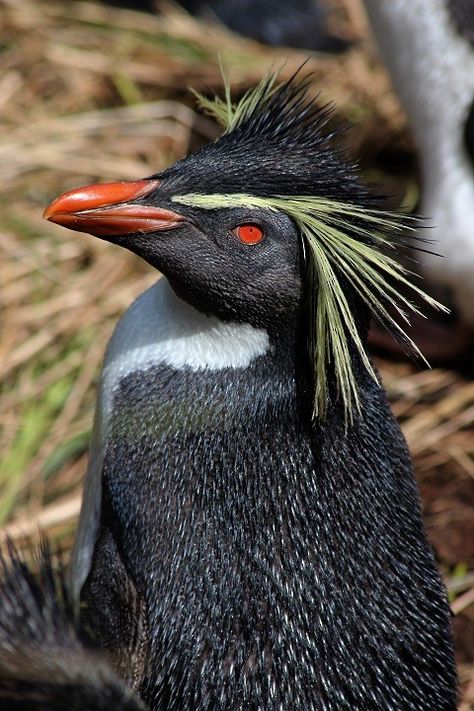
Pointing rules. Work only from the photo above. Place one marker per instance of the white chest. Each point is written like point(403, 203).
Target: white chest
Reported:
point(161, 328)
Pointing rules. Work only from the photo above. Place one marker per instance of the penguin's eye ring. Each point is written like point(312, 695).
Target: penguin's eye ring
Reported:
point(248, 233)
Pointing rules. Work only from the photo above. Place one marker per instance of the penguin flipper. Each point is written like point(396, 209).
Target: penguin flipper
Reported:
point(88, 528)
point(114, 609)
point(132, 334)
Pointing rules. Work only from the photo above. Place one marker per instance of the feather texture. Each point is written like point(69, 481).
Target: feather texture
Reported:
point(349, 240)
point(341, 239)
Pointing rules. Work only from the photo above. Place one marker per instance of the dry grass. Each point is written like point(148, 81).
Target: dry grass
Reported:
point(93, 94)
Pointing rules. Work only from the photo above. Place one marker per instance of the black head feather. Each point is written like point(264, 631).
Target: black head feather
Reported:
point(279, 153)
point(282, 143)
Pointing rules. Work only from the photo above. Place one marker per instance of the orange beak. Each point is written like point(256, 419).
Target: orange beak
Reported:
point(108, 209)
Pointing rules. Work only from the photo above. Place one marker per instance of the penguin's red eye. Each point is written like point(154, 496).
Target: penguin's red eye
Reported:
point(249, 234)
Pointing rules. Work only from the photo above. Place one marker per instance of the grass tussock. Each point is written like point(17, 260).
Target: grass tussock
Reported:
point(89, 93)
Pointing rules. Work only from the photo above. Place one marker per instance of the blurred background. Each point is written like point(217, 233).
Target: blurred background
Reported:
point(95, 93)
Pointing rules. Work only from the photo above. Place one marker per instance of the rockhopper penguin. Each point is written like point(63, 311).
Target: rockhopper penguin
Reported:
point(251, 535)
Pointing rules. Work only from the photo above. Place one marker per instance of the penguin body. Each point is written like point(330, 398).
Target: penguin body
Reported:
point(158, 330)
point(428, 50)
point(255, 553)
point(251, 534)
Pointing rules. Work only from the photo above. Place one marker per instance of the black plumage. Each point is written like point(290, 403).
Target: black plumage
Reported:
point(280, 569)
point(462, 17)
point(290, 147)
point(469, 133)
point(301, 23)
point(47, 661)
point(238, 553)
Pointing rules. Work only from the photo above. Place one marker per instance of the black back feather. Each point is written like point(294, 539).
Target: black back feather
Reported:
point(46, 662)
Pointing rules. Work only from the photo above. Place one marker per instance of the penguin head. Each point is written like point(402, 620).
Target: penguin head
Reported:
point(268, 222)
point(242, 263)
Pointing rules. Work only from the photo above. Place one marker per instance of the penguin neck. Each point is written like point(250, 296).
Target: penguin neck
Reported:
point(161, 336)
point(222, 344)
point(221, 364)
point(254, 365)
point(276, 336)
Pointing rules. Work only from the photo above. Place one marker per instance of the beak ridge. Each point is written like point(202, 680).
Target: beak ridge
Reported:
point(107, 209)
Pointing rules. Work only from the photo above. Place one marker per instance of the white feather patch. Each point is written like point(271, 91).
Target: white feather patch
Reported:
point(159, 327)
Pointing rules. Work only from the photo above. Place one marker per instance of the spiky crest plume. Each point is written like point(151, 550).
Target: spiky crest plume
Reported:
point(356, 241)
